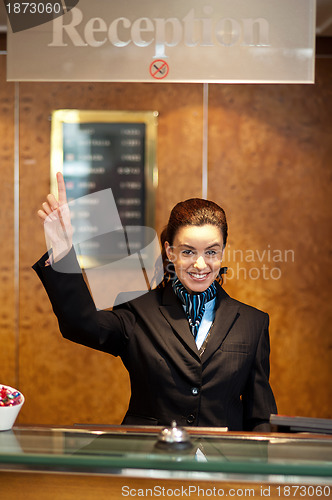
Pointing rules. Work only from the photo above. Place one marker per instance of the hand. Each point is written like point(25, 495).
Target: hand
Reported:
point(57, 225)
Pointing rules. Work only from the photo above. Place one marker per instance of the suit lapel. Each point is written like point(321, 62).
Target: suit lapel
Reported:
point(173, 312)
point(226, 315)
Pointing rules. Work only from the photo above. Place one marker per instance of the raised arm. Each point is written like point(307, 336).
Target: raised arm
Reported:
point(79, 321)
point(55, 215)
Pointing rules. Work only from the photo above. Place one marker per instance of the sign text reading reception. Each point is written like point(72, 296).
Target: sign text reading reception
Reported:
point(261, 41)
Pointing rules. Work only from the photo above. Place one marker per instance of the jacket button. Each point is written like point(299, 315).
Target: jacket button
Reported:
point(194, 391)
point(190, 419)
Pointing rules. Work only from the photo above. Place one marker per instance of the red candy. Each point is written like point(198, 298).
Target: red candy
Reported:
point(9, 397)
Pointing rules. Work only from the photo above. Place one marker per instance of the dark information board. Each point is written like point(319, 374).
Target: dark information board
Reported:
point(99, 150)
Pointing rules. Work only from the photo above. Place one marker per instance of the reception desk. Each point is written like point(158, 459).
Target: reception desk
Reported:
point(123, 461)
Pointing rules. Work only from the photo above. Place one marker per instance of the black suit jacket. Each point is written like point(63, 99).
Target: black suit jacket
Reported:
point(227, 385)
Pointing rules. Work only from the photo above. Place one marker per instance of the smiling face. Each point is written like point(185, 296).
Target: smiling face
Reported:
point(196, 254)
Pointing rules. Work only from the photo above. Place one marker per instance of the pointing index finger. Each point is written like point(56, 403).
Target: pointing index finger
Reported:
point(61, 189)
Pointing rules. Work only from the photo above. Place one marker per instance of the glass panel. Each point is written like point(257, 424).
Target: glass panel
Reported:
point(113, 451)
point(187, 41)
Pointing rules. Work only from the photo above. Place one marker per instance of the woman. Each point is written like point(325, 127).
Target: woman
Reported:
point(193, 354)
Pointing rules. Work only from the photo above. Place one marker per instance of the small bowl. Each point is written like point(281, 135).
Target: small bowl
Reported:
point(8, 414)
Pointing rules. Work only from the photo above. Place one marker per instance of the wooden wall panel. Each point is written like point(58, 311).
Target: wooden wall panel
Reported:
point(270, 163)
point(8, 351)
point(270, 160)
point(63, 382)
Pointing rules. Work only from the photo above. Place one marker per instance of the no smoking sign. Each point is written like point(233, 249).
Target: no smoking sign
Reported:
point(159, 69)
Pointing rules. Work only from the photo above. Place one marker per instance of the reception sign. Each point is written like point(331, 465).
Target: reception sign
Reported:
point(237, 41)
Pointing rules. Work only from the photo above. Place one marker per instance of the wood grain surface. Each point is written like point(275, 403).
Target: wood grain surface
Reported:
point(269, 166)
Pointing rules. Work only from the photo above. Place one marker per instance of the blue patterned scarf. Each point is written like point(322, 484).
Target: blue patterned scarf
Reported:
point(194, 303)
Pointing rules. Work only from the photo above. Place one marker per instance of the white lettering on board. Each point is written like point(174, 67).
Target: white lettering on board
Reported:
point(142, 32)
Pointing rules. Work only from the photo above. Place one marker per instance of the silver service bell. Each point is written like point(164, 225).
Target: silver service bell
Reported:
point(173, 438)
